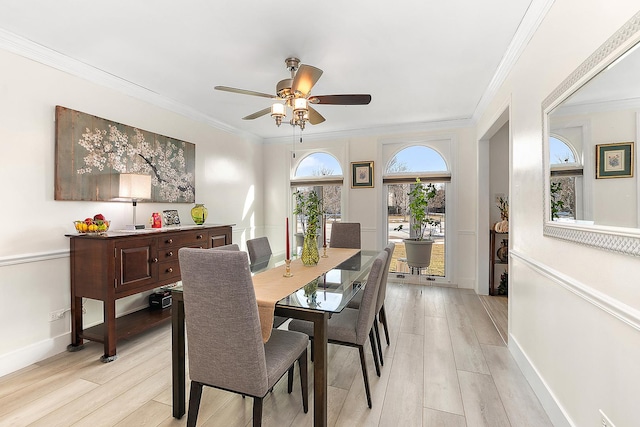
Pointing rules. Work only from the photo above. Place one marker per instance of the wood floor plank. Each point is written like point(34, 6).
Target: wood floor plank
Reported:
point(441, 388)
point(413, 313)
point(466, 348)
point(403, 399)
point(88, 402)
point(434, 302)
point(483, 326)
point(42, 406)
point(498, 309)
point(519, 400)
point(150, 414)
point(126, 403)
point(482, 404)
point(434, 418)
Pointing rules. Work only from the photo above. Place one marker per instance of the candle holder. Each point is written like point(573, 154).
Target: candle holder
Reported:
point(324, 251)
point(287, 268)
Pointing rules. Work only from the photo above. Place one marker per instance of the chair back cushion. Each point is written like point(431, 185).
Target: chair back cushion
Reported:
point(382, 291)
point(345, 235)
point(231, 247)
point(225, 347)
point(258, 248)
point(366, 313)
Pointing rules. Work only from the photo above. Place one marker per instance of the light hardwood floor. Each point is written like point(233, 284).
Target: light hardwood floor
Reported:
point(446, 366)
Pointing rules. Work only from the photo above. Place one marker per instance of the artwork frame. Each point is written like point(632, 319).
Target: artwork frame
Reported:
point(170, 218)
point(362, 174)
point(614, 160)
point(92, 152)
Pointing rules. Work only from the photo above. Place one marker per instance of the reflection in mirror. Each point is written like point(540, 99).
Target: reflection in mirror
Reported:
point(602, 111)
point(598, 104)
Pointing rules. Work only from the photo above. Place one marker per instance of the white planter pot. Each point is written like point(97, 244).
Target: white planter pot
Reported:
point(418, 252)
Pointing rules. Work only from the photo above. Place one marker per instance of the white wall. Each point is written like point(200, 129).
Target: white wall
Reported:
point(34, 261)
point(573, 319)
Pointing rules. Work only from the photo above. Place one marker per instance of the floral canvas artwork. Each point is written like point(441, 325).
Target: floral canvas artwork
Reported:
point(92, 152)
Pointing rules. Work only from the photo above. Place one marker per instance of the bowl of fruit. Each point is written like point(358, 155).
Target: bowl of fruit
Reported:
point(95, 225)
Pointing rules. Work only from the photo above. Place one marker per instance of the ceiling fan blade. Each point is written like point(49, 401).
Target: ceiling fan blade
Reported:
point(305, 78)
point(341, 99)
point(315, 117)
point(244, 91)
point(257, 114)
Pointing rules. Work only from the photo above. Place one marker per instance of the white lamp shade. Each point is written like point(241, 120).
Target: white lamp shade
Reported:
point(134, 186)
point(278, 109)
point(300, 104)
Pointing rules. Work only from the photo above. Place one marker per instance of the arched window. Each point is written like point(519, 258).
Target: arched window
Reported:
point(318, 164)
point(561, 152)
point(416, 158)
point(566, 177)
point(401, 171)
point(319, 172)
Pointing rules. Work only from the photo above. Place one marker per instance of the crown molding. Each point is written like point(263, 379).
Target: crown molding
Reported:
point(530, 22)
point(43, 55)
point(379, 131)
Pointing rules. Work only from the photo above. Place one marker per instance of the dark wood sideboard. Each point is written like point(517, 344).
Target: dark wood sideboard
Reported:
point(120, 264)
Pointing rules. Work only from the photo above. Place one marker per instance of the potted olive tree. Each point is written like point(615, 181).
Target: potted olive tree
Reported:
point(419, 244)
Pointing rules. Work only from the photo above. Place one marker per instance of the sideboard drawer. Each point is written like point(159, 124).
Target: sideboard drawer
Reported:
point(181, 239)
point(169, 269)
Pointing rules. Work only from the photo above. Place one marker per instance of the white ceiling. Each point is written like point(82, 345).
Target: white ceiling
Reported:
point(423, 62)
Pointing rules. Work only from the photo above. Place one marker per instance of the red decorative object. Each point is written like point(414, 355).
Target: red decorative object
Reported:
point(288, 255)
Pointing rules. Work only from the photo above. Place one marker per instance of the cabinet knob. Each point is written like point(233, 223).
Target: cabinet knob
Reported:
point(154, 260)
point(169, 270)
point(199, 236)
point(169, 241)
point(170, 253)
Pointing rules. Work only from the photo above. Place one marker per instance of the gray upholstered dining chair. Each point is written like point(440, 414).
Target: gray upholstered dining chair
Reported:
point(258, 248)
point(351, 327)
point(382, 293)
point(345, 235)
point(225, 347)
point(231, 247)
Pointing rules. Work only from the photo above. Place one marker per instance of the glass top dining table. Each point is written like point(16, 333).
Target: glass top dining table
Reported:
point(329, 292)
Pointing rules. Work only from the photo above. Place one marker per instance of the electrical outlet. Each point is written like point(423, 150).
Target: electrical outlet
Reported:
point(606, 422)
point(56, 315)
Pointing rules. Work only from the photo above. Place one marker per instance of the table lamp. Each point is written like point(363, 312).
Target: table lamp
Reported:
point(134, 187)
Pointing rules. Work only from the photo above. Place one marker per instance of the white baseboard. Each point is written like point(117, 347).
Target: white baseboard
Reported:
point(557, 415)
point(34, 353)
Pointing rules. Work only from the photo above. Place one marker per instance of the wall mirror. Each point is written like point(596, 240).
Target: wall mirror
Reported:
point(591, 130)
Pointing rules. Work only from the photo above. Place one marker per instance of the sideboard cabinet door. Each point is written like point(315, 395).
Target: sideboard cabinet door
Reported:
point(136, 265)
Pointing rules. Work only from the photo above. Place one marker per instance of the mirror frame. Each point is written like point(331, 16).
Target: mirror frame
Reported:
point(616, 239)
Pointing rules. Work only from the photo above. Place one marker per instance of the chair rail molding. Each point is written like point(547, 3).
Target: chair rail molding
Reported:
point(611, 306)
point(33, 257)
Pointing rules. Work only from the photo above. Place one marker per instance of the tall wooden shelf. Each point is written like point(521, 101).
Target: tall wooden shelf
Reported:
point(494, 259)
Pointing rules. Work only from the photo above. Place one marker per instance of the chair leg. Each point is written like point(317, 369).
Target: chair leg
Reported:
point(304, 380)
point(372, 339)
point(257, 412)
point(375, 327)
point(383, 319)
point(194, 403)
point(290, 380)
point(311, 340)
point(364, 375)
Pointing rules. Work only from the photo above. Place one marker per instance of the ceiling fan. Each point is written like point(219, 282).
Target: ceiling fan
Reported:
point(295, 94)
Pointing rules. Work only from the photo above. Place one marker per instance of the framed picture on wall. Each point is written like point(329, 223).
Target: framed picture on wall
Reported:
point(362, 174)
point(614, 160)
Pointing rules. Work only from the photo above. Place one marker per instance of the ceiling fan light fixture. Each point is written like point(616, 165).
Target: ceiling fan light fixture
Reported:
point(300, 105)
point(278, 112)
